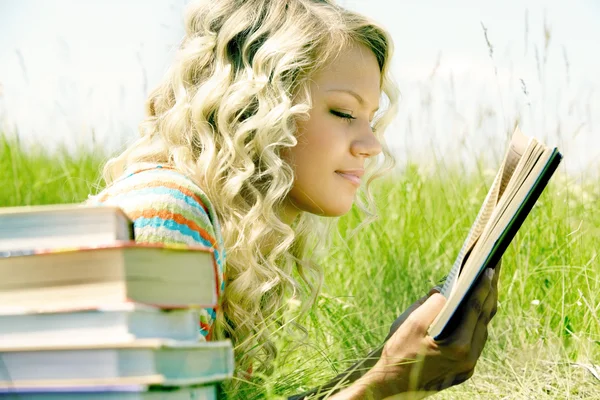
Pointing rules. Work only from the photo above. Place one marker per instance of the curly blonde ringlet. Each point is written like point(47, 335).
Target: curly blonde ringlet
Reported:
point(223, 114)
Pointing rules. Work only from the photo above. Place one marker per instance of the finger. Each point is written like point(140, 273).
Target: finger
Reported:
point(479, 338)
point(480, 334)
point(497, 269)
point(435, 289)
point(413, 307)
point(402, 318)
point(491, 302)
point(446, 382)
point(474, 308)
point(423, 316)
point(460, 378)
point(451, 380)
point(498, 264)
point(418, 303)
point(494, 290)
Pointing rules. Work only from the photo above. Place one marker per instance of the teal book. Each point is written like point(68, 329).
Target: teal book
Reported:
point(146, 362)
point(117, 324)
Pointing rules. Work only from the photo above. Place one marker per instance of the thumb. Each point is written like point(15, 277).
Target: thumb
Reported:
point(429, 310)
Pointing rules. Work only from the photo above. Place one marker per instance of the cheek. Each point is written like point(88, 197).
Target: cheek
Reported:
point(318, 143)
point(320, 151)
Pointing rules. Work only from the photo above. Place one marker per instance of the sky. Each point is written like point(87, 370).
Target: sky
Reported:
point(78, 71)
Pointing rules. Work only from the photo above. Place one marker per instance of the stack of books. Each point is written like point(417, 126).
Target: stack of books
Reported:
point(86, 313)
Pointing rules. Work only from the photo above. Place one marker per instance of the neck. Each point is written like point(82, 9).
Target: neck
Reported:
point(288, 212)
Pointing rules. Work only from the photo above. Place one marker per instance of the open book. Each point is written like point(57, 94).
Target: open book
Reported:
point(523, 175)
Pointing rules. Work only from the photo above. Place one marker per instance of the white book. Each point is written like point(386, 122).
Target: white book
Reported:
point(143, 362)
point(59, 226)
point(119, 324)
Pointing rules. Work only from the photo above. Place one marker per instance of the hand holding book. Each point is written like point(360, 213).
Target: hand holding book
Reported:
point(412, 361)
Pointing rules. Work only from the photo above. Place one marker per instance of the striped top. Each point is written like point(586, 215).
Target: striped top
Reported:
point(167, 207)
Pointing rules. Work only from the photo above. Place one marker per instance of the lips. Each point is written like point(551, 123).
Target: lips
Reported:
point(353, 176)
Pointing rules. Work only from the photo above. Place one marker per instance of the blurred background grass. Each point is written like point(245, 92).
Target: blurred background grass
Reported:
point(35, 176)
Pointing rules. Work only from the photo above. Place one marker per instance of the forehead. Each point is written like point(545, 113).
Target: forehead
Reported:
point(356, 69)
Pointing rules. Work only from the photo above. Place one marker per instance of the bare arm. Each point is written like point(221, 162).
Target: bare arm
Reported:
point(412, 361)
point(360, 368)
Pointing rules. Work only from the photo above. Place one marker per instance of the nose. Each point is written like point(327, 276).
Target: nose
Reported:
point(366, 143)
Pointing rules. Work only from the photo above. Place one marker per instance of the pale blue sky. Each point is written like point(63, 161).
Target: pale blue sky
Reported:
point(70, 66)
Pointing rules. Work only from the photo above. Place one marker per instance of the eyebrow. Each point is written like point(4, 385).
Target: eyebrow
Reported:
point(352, 93)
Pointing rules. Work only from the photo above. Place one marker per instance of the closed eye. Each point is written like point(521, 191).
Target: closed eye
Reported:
point(342, 115)
point(349, 118)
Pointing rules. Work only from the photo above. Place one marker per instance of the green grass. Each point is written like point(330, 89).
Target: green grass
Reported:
point(549, 313)
point(33, 176)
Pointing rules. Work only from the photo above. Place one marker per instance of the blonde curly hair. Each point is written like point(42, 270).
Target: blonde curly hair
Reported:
point(223, 114)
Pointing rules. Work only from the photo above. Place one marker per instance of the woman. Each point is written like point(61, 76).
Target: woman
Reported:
point(269, 120)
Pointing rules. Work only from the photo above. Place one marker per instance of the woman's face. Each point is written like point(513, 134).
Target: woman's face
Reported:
point(336, 139)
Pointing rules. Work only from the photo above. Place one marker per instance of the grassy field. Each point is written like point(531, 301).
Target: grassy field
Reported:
point(548, 322)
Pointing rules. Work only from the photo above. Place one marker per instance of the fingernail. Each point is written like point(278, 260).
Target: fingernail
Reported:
point(489, 272)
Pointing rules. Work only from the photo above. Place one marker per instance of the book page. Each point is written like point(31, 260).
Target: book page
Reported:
point(529, 178)
point(516, 149)
point(529, 168)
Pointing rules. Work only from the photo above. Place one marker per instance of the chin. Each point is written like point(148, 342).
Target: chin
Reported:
point(338, 210)
point(327, 207)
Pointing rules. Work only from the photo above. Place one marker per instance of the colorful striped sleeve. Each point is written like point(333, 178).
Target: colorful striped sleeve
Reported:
point(168, 208)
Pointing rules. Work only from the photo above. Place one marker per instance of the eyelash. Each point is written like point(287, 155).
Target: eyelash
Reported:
point(347, 117)
point(343, 116)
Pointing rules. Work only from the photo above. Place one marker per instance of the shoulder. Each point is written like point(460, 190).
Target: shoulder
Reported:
point(155, 184)
point(165, 205)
